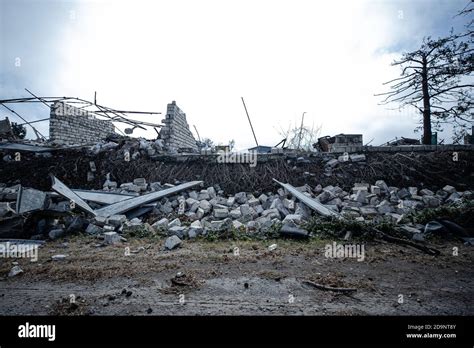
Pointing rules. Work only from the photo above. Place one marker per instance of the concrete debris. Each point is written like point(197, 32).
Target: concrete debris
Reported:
point(183, 211)
point(312, 203)
point(30, 200)
point(172, 242)
point(272, 247)
point(15, 270)
point(93, 229)
point(161, 224)
point(175, 223)
point(56, 233)
point(59, 257)
point(129, 204)
point(111, 238)
point(116, 220)
point(290, 231)
point(65, 191)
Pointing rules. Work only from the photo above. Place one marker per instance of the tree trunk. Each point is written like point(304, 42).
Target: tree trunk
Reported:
point(426, 104)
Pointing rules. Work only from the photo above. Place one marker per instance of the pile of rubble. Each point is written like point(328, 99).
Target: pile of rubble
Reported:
point(129, 148)
point(181, 211)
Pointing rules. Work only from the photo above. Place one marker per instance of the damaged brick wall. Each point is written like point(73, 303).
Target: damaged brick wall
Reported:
point(175, 133)
point(71, 125)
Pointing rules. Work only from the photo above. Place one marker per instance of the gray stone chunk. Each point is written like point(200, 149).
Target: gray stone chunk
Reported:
point(56, 233)
point(116, 220)
point(235, 213)
point(179, 231)
point(161, 224)
point(403, 193)
point(449, 189)
point(431, 201)
point(205, 206)
point(111, 238)
point(174, 223)
point(241, 197)
point(14, 271)
point(296, 218)
point(93, 229)
point(221, 213)
point(172, 242)
point(357, 158)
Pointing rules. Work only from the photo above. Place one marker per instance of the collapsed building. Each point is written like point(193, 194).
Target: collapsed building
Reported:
point(89, 124)
point(71, 125)
point(117, 182)
point(175, 133)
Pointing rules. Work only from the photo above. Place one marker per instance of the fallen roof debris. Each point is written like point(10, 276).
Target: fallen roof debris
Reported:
point(132, 203)
point(30, 200)
point(313, 204)
point(65, 191)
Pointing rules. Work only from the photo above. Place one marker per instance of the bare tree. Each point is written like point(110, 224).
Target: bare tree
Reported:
point(300, 136)
point(207, 143)
point(436, 79)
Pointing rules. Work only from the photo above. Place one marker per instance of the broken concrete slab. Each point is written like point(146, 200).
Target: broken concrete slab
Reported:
point(132, 203)
point(65, 191)
point(30, 200)
point(102, 197)
point(313, 204)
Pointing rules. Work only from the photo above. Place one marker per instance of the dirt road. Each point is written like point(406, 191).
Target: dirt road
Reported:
point(215, 278)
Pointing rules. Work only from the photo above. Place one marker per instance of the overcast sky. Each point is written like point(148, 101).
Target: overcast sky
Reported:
point(285, 57)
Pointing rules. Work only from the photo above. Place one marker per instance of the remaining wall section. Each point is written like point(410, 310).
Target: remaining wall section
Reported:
point(70, 125)
point(175, 133)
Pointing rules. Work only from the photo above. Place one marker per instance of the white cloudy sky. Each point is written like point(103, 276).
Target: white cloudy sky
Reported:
point(285, 57)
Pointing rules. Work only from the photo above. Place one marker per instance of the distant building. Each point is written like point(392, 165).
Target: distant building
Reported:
point(261, 149)
point(340, 142)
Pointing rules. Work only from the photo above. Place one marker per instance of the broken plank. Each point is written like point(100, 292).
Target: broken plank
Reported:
point(65, 191)
point(129, 204)
point(310, 202)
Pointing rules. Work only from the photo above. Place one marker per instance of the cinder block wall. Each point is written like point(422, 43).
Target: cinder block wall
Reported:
point(175, 133)
point(70, 125)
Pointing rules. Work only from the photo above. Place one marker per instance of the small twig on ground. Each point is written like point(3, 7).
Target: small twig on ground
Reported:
point(430, 251)
point(328, 288)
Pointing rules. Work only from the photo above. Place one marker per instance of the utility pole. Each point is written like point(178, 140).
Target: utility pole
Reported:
point(245, 107)
point(199, 138)
point(301, 130)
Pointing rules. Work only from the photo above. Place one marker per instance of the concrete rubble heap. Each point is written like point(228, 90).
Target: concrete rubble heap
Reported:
point(194, 212)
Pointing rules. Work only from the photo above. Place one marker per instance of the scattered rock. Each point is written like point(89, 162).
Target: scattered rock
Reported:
point(15, 270)
point(111, 238)
point(172, 242)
